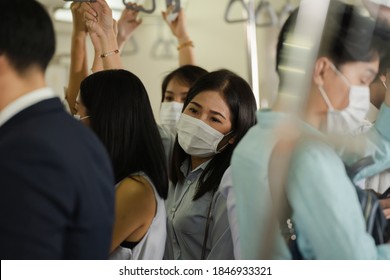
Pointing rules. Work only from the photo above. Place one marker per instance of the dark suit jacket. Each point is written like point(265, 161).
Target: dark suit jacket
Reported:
point(56, 187)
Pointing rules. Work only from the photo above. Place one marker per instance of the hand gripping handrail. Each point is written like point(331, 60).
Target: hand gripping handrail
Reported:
point(173, 9)
point(136, 7)
point(175, 3)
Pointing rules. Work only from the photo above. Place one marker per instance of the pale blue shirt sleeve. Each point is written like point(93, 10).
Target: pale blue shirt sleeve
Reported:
point(226, 188)
point(327, 213)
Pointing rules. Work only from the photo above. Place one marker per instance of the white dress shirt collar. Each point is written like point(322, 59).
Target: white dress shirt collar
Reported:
point(24, 102)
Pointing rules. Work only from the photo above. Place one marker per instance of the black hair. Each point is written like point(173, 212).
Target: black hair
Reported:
point(284, 32)
point(186, 75)
point(242, 105)
point(121, 115)
point(348, 36)
point(27, 34)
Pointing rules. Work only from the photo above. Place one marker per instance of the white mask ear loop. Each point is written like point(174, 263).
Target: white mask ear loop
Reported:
point(341, 75)
point(325, 97)
point(384, 83)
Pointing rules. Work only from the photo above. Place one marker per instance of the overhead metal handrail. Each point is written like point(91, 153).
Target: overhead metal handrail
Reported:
point(133, 47)
point(136, 7)
point(229, 7)
point(163, 48)
point(263, 6)
point(269, 10)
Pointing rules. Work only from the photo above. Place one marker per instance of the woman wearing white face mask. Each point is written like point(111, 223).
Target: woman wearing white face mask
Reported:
point(174, 90)
point(348, 119)
point(324, 208)
point(219, 109)
point(378, 90)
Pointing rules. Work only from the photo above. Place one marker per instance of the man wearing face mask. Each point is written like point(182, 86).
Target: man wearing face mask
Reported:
point(325, 211)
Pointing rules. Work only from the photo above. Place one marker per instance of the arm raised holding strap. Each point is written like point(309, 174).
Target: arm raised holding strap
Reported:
point(127, 24)
point(104, 27)
point(78, 63)
point(185, 45)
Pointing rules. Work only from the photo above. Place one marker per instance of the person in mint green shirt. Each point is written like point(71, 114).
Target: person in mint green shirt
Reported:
point(326, 212)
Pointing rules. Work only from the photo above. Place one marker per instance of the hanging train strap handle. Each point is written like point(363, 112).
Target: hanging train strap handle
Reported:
point(285, 12)
point(161, 48)
point(133, 49)
point(269, 11)
point(263, 7)
point(206, 232)
point(228, 18)
point(136, 7)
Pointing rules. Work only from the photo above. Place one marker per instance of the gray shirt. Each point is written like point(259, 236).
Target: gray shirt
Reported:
point(187, 221)
point(168, 140)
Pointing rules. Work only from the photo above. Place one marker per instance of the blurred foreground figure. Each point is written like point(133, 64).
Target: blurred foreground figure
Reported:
point(292, 166)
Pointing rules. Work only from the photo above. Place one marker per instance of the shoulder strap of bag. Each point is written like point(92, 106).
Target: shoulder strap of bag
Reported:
point(277, 175)
point(372, 211)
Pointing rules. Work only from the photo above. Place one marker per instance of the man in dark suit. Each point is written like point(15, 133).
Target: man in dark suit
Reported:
point(56, 180)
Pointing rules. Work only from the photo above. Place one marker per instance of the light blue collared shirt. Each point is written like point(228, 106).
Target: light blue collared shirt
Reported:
point(327, 214)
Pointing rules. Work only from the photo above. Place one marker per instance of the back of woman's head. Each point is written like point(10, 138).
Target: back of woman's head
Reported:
point(242, 106)
point(121, 116)
point(186, 75)
point(348, 35)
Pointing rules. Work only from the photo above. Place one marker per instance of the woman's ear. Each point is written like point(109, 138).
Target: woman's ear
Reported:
point(322, 64)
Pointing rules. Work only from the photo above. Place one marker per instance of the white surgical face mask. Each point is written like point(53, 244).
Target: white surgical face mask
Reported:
point(350, 118)
point(170, 113)
point(197, 138)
